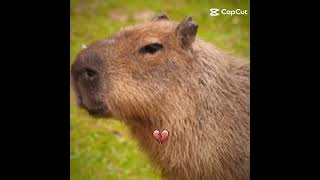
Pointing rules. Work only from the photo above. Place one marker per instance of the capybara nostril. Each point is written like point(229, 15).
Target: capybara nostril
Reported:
point(85, 69)
point(90, 74)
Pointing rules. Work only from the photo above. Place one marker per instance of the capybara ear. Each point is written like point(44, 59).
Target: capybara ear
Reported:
point(161, 16)
point(186, 32)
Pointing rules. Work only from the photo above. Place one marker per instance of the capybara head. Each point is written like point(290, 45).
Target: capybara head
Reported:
point(128, 75)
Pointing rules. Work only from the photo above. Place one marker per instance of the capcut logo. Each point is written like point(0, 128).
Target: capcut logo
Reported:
point(228, 12)
point(214, 12)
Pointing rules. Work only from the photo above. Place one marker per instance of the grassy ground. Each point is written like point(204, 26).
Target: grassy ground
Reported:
point(103, 149)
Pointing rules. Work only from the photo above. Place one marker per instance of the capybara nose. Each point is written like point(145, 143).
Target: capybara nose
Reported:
point(75, 71)
point(84, 71)
point(81, 76)
point(86, 66)
point(89, 73)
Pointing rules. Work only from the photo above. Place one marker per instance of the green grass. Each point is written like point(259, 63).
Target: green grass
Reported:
point(103, 149)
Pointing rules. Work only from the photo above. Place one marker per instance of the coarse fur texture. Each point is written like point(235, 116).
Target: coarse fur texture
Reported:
point(159, 75)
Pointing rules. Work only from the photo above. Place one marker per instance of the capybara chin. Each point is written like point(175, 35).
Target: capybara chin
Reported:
point(158, 75)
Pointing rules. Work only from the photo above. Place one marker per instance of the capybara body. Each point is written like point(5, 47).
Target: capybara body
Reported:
point(158, 75)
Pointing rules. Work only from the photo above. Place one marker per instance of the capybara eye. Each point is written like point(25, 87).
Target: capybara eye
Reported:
point(151, 48)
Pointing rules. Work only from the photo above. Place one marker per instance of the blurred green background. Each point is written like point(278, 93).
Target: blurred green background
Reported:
point(104, 149)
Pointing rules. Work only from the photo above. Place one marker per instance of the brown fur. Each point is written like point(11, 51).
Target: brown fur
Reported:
point(192, 89)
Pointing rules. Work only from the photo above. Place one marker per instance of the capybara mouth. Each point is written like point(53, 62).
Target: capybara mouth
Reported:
point(99, 113)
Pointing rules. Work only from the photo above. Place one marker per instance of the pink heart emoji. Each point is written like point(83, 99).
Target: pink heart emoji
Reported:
point(161, 137)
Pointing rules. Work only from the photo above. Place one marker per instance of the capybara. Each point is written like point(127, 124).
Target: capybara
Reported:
point(159, 75)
